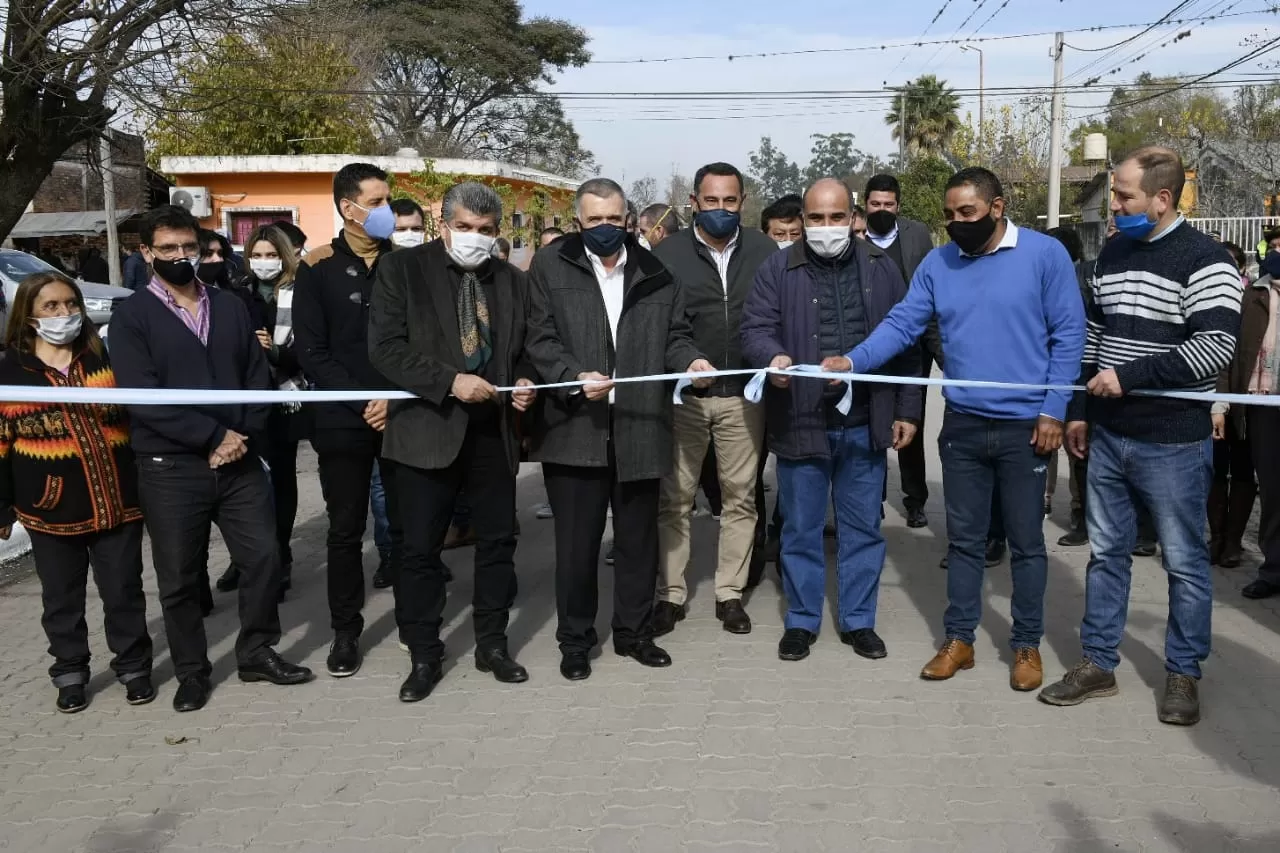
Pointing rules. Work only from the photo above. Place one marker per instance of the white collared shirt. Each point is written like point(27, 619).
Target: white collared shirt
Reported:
point(1008, 241)
point(1168, 230)
point(721, 258)
point(611, 289)
point(883, 241)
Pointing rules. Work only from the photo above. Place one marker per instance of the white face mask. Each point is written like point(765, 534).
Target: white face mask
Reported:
point(408, 239)
point(786, 244)
point(469, 249)
point(60, 331)
point(266, 269)
point(828, 241)
point(644, 243)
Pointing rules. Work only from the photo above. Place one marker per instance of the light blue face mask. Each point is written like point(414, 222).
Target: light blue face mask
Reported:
point(380, 224)
point(1135, 226)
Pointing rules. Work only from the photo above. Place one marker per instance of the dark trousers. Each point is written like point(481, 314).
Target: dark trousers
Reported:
point(181, 497)
point(982, 457)
point(427, 499)
point(580, 497)
point(1263, 424)
point(911, 465)
point(282, 459)
point(346, 473)
point(62, 564)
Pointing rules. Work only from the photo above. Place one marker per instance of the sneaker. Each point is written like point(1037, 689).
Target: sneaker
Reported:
point(1180, 705)
point(1085, 680)
point(544, 512)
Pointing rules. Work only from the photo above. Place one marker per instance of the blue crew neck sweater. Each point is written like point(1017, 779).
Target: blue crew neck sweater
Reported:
point(1014, 315)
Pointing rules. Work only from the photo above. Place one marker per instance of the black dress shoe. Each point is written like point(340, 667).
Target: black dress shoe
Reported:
point(192, 694)
point(501, 664)
point(271, 667)
point(1074, 537)
point(735, 619)
point(139, 691)
point(1144, 548)
point(344, 656)
point(644, 652)
point(795, 644)
point(866, 643)
point(230, 579)
point(575, 666)
point(995, 552)
point(382, 577)
point(72, 699)
point(1260, 589)
point(916, 517)
point(665, 617)
point(423, 678)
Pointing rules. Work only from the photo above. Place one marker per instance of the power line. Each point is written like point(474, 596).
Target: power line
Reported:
point(1140, 52)
point(1133, 38)
point(923, 33)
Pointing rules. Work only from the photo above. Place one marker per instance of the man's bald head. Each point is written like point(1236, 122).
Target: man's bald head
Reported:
point(828, 202)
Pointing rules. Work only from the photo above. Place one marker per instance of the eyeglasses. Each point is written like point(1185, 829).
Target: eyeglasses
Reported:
point(170, 250)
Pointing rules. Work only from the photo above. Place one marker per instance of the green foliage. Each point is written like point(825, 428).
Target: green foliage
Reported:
point(923, 187)
point(925, 113)
point(1177, 118)
point(270, 95)
point(427, 187)
point(775, 175)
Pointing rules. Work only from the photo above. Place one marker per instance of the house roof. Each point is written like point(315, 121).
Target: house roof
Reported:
point(331, 163)
point(87, 223)
point(1246, 154)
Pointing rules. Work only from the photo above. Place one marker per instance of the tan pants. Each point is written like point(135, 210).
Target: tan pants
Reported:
point(737, 428)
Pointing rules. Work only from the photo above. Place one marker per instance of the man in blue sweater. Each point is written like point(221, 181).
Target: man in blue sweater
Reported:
point(1164, 312)
point(1008, 310)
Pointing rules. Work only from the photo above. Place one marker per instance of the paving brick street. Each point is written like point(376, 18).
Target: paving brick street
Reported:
point(730, 749)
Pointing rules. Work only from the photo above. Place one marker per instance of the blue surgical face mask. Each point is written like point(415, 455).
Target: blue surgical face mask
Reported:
point(718, 223)
point(380, 224)
point(605, 239)
point(1135, 226)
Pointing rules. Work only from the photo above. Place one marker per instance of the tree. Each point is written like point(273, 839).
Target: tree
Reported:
point(678, 191)
point(1154, 111)
point(536, 133)
point(924, 113)
point(458, 76)
point(280, 106)
point(68, 64)
point(644, 192)
point(1013, 143)
point(924, 184)
point(774, 174)
point(833, 155)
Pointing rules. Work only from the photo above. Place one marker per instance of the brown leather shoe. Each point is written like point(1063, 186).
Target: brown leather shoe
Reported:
point(954, 656)
point(1027, 673)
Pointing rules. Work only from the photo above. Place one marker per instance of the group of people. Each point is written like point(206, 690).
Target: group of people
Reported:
point(625, 294)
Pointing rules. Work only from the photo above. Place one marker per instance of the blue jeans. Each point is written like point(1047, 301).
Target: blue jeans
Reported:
point(982, 458)
point(1172, 481)
point(853, 476)
point(378, 503)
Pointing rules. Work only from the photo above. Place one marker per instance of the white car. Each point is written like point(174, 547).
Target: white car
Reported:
point(99, 299)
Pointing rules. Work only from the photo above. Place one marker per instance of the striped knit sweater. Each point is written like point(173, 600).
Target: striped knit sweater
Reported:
point(1164, 314)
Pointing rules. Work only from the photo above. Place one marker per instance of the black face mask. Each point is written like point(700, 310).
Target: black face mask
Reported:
point(970, 237)
point(211, 272)
point(605, 239)
point(179, 273)
point(882, 221)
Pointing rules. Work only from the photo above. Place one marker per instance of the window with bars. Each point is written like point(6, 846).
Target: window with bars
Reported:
point(242, 223)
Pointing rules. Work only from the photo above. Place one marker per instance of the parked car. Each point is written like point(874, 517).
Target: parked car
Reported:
point(99, 299)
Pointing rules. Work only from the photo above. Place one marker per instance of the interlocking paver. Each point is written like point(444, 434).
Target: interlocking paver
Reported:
point(728, 750)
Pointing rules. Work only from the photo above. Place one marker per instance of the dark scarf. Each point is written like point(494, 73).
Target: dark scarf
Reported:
point(473, 323)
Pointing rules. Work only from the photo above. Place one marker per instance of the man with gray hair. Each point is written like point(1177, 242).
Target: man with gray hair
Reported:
point(447, 323)
point(602, 307)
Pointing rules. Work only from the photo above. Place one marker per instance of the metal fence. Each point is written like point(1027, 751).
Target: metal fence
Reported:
point(1245, 231)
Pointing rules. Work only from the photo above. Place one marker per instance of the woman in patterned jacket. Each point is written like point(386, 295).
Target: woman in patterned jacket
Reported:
point(67, 474)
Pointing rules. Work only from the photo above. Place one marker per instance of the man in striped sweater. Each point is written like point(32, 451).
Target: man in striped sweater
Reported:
point(1163, 314)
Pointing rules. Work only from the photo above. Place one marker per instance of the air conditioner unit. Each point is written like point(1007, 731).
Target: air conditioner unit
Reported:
point(194, 199)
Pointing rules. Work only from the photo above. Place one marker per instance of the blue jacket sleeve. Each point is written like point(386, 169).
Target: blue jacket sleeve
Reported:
point(1064, 320)
point(761, 326)
point(901, 328)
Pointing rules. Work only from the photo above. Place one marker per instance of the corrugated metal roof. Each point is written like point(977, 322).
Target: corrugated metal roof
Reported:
point(87, 223)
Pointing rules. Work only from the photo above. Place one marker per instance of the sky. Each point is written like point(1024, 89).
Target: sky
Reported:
point(634, 139)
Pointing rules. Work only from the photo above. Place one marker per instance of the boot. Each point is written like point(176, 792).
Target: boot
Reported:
point(1217, 520)
point(1239, 508)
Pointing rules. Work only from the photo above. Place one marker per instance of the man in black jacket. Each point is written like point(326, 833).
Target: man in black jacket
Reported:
point(330, 324)
point(715, 264)
point(603, 307)
point(906, 242)
point(448, 324)
point(200, 464)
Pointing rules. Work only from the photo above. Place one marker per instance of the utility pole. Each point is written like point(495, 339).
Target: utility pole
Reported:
point(109, 207)
point(981, 90)
point(1055, 139)
point(902, 130)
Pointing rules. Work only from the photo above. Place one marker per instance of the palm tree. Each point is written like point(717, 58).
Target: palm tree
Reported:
point(931, 115)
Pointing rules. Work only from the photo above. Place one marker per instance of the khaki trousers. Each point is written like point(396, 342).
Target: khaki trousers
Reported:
point(737, 429)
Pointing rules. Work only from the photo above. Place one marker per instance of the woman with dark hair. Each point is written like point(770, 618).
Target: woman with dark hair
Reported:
point(268, 287)
point(67, 473)
point(217, 266)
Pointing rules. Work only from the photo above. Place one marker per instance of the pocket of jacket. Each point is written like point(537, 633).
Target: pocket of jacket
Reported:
point(52, 493)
